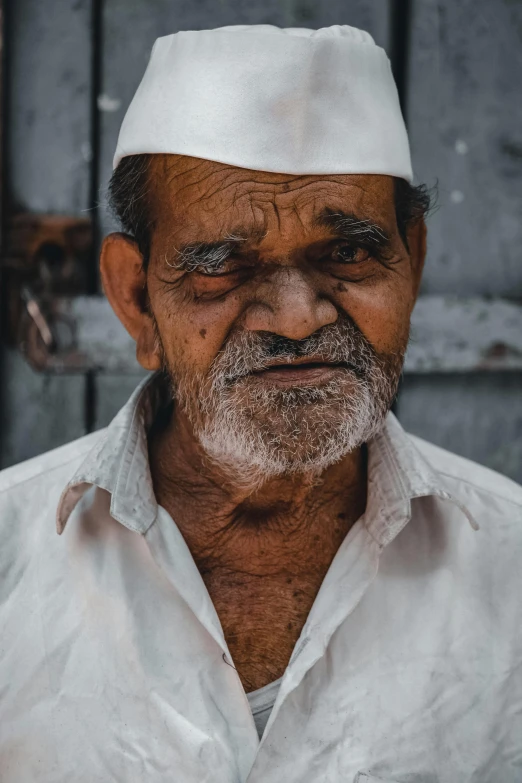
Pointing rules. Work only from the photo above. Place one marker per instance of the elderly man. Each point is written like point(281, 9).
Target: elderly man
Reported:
point(261, 577)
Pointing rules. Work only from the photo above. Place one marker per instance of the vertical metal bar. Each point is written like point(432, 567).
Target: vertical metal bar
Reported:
point(400, 25)
point(3, 157)
point(94, 191)
point(400, 46)
point(91, 401)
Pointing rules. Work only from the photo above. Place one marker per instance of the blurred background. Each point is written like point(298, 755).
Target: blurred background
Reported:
point(69, 70)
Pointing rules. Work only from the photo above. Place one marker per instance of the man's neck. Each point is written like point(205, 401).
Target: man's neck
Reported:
point(207, 503)
point(286, 532)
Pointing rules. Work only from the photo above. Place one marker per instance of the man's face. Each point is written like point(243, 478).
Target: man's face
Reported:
point(281, 307)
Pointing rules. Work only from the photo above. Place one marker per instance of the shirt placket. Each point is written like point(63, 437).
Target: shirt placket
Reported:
point(351, 573)
point(171, 554)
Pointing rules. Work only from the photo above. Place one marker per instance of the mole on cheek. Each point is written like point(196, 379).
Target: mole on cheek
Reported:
point(340, 287)
point(203, 333)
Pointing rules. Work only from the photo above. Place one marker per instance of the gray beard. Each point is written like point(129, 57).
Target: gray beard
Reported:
point(255, 431)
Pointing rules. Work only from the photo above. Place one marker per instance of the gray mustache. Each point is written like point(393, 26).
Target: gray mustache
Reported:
point(339, 343)
point(277, 347)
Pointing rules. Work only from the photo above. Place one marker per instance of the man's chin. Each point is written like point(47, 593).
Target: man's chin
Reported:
point(253, 429)
point(249, 465)
point(255, 445)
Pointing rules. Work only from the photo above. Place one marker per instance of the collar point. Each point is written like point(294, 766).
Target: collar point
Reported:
point(68, 502)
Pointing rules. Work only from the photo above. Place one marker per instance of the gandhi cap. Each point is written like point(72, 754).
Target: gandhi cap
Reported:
point(289, 100)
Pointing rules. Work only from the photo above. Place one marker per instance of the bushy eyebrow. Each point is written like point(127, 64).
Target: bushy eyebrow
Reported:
point(343, 224)
point(210, 255)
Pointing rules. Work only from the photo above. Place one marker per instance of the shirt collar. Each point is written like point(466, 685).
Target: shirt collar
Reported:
point(118, 463)
point(397, 474)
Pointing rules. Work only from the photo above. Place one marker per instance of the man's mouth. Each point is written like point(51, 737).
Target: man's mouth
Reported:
point(301, 371)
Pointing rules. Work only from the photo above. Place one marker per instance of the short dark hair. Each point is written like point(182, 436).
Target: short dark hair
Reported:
point(129, 202)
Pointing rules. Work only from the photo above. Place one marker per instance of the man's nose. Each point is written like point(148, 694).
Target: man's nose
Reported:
point(288, 304)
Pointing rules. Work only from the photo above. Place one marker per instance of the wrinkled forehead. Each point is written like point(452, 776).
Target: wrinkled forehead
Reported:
point(197, 191)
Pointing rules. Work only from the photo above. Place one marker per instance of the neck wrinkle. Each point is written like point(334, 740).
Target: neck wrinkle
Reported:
point(283, 511)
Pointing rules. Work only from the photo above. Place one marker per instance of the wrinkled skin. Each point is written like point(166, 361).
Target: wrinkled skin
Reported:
point(263, 555)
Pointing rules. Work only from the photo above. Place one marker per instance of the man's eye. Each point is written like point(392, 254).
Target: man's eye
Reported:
point(346, 254)
point(210, 271)
point(216, 270)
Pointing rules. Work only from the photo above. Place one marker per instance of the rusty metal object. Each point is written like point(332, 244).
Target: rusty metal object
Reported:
point(47, 258)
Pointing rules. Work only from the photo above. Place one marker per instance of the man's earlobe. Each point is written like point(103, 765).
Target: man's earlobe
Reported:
point(125, 284)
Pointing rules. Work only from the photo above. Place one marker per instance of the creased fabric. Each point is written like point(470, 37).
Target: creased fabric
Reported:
point(114, 667)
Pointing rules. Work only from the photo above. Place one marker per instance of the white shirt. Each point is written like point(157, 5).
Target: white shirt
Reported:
point(114, 667)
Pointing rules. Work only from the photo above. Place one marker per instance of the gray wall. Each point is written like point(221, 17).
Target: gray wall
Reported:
point(463, 106)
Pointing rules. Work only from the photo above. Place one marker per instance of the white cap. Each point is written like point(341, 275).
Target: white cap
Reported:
point(289, 100)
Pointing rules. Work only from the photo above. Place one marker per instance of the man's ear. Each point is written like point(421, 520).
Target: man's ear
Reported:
point(125, 285)
point(417, 234)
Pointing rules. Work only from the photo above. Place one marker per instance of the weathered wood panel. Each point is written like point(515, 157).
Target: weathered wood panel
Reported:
point(465, 124)
point(48, 137)
point(49, 127)
point(129, 30)
point(451, 334)
point(458, 416)
point(39, 411)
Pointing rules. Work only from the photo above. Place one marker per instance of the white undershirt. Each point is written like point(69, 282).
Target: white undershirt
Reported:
point(261, 703)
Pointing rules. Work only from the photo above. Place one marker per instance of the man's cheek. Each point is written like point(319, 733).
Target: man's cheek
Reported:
point(191, 351)
point(383, 319)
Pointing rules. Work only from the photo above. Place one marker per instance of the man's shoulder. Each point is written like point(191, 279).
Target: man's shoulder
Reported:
point(463, 477)
point(41, 473)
